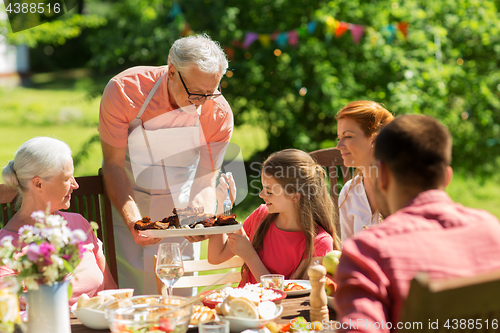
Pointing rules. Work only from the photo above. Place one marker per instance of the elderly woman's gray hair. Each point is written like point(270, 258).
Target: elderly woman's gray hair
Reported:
point(199, 50)
point(41, 156)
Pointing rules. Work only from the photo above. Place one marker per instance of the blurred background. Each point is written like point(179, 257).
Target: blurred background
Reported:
point(293, 65)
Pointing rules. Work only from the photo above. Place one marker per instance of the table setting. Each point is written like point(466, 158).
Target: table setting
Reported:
point(273, 305)
point(289, 309)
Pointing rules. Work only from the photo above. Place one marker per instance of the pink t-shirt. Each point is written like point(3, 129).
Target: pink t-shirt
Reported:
point(89, 278)
point(126, 92)
point(282, 250)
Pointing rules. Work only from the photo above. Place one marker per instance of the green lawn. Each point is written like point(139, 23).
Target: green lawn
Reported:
point(471, 192)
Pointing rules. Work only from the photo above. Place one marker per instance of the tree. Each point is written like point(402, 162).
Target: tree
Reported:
point(447, 66)
point(55, 32)
point(456, 82)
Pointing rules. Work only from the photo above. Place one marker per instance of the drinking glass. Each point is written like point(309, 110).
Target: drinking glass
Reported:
point(220, 326)
point(272, 281)
point(169, 267)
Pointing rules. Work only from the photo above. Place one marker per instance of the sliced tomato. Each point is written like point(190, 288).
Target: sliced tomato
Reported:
point(166, 325)
point(297, 287)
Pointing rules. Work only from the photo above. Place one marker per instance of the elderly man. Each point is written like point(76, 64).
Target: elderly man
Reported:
point(425, 231)
point(163, 131)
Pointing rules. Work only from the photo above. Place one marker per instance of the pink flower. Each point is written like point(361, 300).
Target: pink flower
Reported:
point(46, 250)
point(33, 252)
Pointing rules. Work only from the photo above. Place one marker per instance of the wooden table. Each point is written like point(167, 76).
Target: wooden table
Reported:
point(292, 307)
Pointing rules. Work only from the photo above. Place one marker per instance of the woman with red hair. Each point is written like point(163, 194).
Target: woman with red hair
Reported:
point(359, 123)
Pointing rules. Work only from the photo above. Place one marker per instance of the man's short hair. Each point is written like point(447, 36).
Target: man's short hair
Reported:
point(417, 149)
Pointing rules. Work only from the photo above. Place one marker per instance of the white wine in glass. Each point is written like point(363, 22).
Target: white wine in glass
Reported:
point(169, 267)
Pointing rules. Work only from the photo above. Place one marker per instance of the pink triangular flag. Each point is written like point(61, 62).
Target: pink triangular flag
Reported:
point(357, 32)
point(293, 37)
point(250, 37)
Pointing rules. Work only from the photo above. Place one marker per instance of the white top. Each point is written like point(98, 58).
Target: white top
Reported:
point(354, 209)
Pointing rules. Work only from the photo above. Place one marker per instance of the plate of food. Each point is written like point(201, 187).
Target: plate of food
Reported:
point(252, 292)
point(246, 318)
point(250, 307)
point(297, 287)
point(191, 221)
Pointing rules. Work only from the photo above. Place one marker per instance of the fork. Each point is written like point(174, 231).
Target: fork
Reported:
point(226, 205)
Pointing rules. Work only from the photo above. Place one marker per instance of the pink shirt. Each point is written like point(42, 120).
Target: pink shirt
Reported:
point(89, 278)
point(282, 251)
point(126, 92)
point(433, 235)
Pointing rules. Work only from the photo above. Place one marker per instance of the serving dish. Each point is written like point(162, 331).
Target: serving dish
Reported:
point(241, 324)
point(91, 318)
point(183, 315)
point(304, 283)
point(117, 293)
point(212, 304)
point(226, 229)
point(145, 318)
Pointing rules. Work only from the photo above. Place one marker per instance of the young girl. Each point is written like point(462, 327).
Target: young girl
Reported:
point(359, 123)
point(291, 230)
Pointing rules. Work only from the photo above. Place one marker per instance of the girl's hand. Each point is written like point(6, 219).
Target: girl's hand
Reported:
point(225, 183)
point(240, 245)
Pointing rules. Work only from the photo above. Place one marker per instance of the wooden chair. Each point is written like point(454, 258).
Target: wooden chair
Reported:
point(191, 266)
point(89, 200)
point(468, 304)
point(331, 159)
point(8, 196)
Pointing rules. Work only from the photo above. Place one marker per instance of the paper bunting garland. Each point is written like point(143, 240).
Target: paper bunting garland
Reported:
point(311, 27)
point(291, 37)
point(403, 27)
point(265, 40)
point(357, 32)
point(341, 28)
point(281, 40)
point(250, 37)
point(392, 33)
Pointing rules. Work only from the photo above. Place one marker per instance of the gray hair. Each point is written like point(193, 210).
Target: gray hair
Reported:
point(41, 156)
point(199, 50)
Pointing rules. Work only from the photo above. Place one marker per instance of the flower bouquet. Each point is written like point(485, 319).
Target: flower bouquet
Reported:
point(46, 252)
point(44, 258)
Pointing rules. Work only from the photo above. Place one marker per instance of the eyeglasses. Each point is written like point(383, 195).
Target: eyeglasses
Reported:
point(197, 97)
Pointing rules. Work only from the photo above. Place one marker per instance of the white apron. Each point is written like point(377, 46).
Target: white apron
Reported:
point(161, 165)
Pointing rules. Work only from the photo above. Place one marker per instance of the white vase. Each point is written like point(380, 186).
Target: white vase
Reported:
point(48, 309)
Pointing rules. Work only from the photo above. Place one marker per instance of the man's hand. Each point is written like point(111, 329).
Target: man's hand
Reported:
point(144, 240)
point(194, 239)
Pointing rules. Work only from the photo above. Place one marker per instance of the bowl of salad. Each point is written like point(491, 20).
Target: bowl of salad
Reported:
point(138, 318)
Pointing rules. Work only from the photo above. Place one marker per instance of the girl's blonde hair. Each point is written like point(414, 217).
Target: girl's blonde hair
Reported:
point(297, 172)
point(371, 118)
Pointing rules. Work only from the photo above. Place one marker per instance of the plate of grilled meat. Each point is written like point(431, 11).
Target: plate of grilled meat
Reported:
point(190, 221)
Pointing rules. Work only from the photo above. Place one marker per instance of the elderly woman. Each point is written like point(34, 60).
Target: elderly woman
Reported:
point(42, 170)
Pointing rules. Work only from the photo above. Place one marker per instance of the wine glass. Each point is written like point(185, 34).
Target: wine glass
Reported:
point(169, 267)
